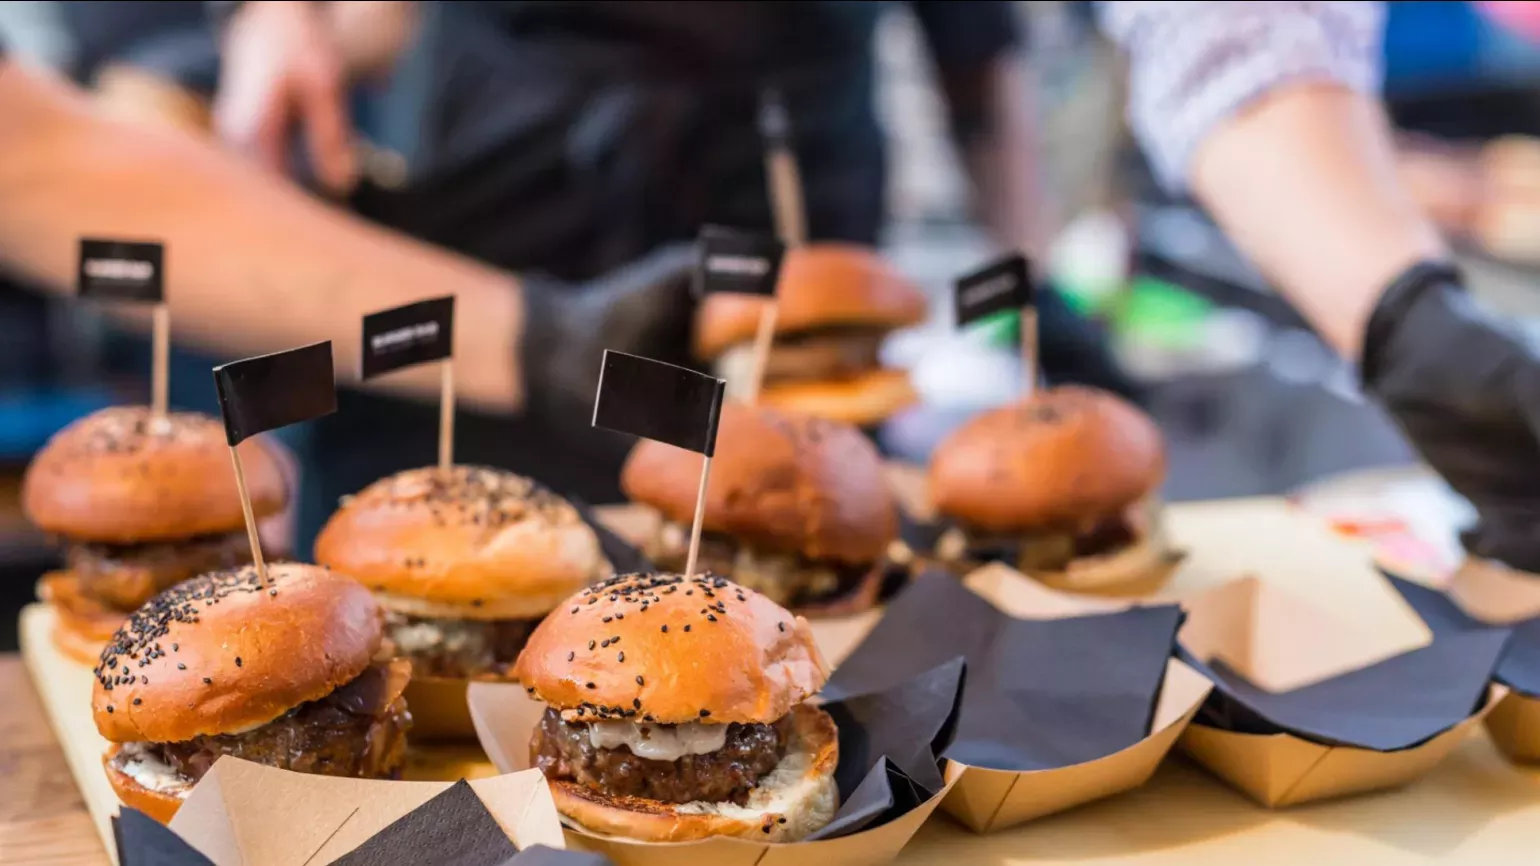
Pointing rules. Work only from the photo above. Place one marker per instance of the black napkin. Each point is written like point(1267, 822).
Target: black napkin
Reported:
point(144, 841)
point(453, 827)
point(890, 748)
point(1041, 694)
point(1398, 703)
point(920, 536)
point(1519, 668)
point(539, 855)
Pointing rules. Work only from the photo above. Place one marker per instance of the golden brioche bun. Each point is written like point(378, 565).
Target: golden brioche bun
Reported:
point(182, 667)
point(863, 400)
point(751, 661)
point(477, 543)
point(82, 625)
point(157, 804)
point(825, 285)
point(785, 482)
point(1062, 457)
point(798, 798)
point(117, 477)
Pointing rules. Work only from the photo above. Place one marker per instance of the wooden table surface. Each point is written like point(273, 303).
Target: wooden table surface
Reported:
point(42, 818)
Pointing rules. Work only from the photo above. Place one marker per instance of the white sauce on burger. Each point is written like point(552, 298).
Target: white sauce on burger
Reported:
point(659, 742)
point(150, 772)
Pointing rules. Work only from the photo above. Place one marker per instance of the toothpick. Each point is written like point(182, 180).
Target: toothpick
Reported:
point(1028, 350)
point(785, 180)
point(700, 516)
point(160, 369)
point(446, 416)
point(251, 520)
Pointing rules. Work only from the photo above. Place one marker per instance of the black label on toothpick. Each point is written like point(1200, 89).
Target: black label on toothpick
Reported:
point(272, 391)
point(121, 271)
point(1003, 285)
point(736, 261)
point(659, 401)
point(404, 336)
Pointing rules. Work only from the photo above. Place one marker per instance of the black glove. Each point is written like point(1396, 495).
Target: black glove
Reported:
point(644, 308)
point(1465, 388)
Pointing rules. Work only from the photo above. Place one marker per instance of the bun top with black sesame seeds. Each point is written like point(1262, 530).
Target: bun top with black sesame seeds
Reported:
point(120, 476)
point(1065, 456)
point(225, 652)
point(469, 543)
point(781, 482)
point(719, 654)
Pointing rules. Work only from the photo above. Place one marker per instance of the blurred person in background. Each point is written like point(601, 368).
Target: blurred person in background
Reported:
point(1268, 113)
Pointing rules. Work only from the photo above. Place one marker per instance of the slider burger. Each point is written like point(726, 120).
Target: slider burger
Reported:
point(1059, 485)
point(837, 302)
point(140, 505)
point(281, 673)
point(676, 712)
point(797, 507)
point(465, 563)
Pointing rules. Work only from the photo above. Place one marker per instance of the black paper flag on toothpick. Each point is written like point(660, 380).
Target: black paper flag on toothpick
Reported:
point(658, 401)
point(144, 841)
point(111, 270)
point(272, 391)
point(739, 262)
point(1001, 286)
point(402, 337)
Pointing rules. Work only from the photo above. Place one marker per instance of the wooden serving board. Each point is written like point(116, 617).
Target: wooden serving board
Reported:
point(65, 689)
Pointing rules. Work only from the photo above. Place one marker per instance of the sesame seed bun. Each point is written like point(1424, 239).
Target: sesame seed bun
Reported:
point(119, 477)
point(865, 400)
point(783, 482)
point(746, 659)
point(478, 543)
point(161, 806)
point(825, 285)
point(182, 667)
point(798, 798)
point(1065, 456)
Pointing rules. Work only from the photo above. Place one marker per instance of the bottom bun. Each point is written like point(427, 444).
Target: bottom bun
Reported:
point(75, 646)
point(858, 598)
point(1139, 569)
point(84, 623)
point(160, 806)
point(798, 798)
point(864, 400)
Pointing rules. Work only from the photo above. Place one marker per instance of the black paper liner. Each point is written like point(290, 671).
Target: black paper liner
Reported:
point(1519, 668)
point(1399, 703)
point(1041, 694)
point(144, 841)
point(453, 827)
point(540, 855)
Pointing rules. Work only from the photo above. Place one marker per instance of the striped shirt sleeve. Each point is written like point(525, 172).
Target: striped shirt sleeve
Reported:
point(1192, 65)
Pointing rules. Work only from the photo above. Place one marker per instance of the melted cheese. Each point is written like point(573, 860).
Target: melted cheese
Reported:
point(658, 742)
point(151, 772)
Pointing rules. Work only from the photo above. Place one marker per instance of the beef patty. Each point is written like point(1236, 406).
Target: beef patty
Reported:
point(564, 751)
point(458, 648)
point(125, 576)
point(1055, 550)
point(358, 731)
point(788, 579)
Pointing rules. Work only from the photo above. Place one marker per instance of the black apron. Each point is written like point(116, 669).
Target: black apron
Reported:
point(571, 154)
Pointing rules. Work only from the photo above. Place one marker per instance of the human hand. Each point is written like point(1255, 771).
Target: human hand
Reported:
point(1464, 386)
point(284, 70)
point(645, 308)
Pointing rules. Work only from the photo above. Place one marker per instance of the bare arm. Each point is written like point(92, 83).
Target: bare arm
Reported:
point(253, 266)
point(1304, 182)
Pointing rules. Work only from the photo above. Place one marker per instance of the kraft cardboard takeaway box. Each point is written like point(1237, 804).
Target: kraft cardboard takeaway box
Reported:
point(245, 814)
point(985, 799)
point(1280, 644)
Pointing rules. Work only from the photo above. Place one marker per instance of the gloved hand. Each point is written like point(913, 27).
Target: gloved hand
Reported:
point(644, 308)
point(1465, 388)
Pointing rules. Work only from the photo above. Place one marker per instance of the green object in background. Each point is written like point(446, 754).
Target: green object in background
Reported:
point(1157, 312)
point(1003, 329)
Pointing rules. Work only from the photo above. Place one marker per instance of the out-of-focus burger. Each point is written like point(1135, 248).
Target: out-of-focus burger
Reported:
point(676, 712)
point(281, 672)
point(140, 504)
point(837, 303)
point(797, 507)
point(1061, 486)
point(464, 562)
